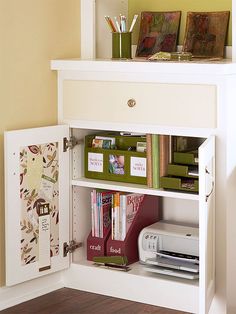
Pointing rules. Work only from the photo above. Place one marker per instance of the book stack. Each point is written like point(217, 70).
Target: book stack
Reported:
point(124, 208)
point(101, 202)
point(158, 157)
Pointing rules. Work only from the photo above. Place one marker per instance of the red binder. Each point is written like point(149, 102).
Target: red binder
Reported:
point(148, 213)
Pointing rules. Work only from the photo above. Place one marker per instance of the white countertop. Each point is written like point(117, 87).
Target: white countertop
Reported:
point(206, 67)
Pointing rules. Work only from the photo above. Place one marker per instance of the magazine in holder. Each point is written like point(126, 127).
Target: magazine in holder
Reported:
point(148, 213)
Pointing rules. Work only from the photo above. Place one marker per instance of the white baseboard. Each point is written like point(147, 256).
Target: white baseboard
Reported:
point(10, 296)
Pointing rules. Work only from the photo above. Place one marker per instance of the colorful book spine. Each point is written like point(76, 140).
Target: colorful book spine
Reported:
point(155, 162)
point(123, 216)
point(95, 210)
point(113, 216)
point(105, 212)
point(149, 160)
point(97, 229)
point(99, 214)
point(92, 215)
point(164, 154)
point(117, 211)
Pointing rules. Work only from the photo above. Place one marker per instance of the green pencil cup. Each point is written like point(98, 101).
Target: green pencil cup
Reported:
point(121, 45)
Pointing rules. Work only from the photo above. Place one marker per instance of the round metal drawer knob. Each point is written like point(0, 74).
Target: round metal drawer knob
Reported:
point(131, 102)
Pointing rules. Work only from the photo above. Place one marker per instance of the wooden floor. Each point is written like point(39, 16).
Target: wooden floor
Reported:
point(70, 301)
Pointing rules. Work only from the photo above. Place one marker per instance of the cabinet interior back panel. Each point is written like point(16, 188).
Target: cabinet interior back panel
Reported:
point(178, 105)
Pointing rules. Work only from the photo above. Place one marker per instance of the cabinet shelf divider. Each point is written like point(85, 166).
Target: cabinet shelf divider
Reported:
point(134, 188)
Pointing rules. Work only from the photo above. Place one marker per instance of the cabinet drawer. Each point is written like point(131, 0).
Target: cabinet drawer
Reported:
point(177, 105)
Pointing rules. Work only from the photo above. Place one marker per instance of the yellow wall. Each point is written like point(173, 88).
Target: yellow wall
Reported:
point(137, 6)
point(32, 32)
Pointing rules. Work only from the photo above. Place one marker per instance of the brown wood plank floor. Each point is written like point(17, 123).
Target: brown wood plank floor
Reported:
point(70, 301)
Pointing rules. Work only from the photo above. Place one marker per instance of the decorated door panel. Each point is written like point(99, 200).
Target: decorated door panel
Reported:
point(36, 202)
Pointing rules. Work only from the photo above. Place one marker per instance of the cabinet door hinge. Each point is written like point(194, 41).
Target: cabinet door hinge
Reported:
point(71, 247)
point(70, 143)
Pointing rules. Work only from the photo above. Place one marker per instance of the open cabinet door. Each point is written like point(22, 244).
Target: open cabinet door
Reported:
point(207, 223)
point(36, 202)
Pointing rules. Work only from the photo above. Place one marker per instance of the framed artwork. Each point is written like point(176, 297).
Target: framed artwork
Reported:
point(158, 32)
point(205, 33)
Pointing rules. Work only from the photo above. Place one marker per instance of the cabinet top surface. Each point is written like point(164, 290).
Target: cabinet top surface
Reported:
point(206, 67)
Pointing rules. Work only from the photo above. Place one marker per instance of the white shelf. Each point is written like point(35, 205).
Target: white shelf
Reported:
point(132, 188)
point(140, 128)
point(199, 67)
point(137, 269)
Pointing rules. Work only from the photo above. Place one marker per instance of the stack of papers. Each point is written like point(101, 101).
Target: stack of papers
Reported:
point(174, 264)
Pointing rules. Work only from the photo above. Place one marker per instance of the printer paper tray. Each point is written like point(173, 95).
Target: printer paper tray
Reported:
point(173, 264)
point(179, 256)
point(172, 272)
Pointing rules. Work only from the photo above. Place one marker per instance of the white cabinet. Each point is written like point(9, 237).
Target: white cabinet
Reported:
point(169, 100)
point(82, 103)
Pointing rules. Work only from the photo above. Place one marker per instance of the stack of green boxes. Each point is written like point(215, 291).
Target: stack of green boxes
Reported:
point(182, 174)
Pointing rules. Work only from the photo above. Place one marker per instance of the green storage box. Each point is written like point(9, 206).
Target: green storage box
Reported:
point(187, 171)
point(121, 163)
point(182, 184)
point(186, 158)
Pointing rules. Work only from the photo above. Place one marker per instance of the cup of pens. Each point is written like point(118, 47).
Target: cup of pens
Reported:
point(121, 45)
point(121, 37)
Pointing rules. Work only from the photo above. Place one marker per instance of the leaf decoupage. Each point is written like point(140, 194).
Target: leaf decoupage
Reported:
point(44, 160)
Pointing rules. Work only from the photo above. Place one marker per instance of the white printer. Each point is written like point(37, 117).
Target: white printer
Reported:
point(171, 249)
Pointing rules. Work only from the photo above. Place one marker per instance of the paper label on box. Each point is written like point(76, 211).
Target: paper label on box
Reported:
point(95, 162)
point(138, 166)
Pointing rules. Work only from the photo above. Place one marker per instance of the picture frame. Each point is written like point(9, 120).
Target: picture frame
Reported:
point(158, 32)
point(205, 34)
